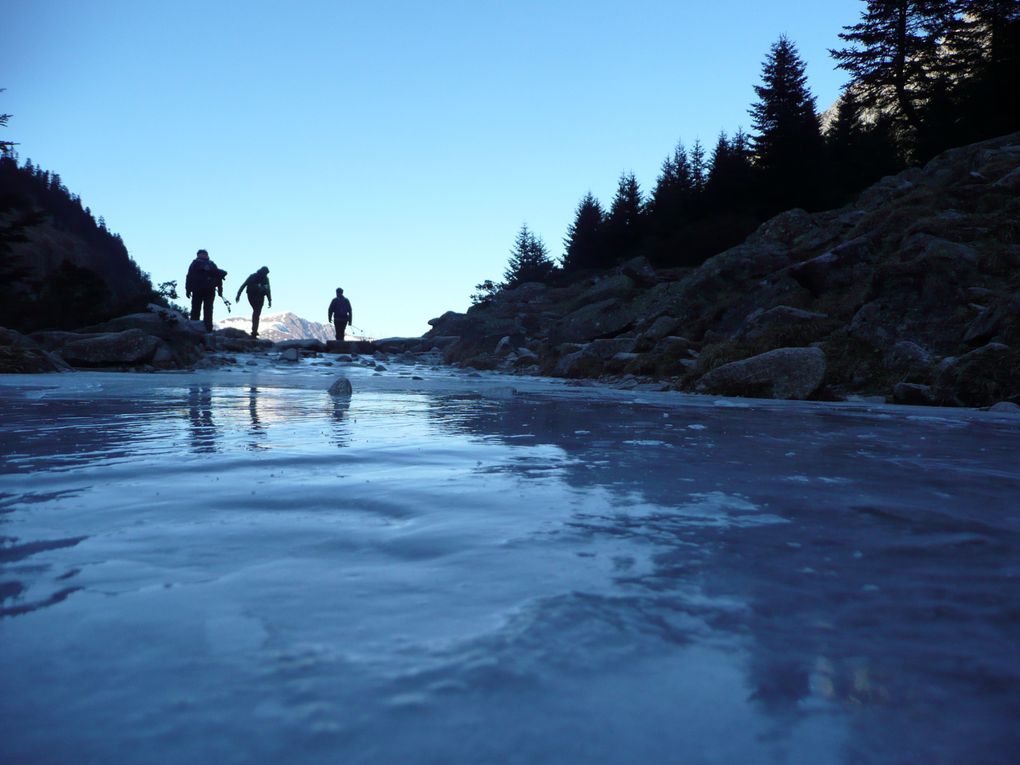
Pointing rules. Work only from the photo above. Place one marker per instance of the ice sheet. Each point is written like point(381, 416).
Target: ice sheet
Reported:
point(233, 566)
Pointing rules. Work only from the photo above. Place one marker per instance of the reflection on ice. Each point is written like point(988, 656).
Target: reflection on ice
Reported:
point(239, 567)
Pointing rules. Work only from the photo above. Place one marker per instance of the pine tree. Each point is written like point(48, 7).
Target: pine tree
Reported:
point(860, 150)
point(985, 52)
point(698, 168)
point(585, 243)
point(6, 147)
point(894, 55)
point(788, 146)
point(730, 175)
point(529, 260)
point(670, 202)
point(624, 224)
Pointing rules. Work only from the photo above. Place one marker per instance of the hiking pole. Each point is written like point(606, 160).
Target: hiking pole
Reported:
point(226, 302)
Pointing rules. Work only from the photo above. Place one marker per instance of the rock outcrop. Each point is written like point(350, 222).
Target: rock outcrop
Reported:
point(916, 284)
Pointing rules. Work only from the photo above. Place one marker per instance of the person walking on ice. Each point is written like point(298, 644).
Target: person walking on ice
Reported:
point(340, 314)
point(258, 292)
point(204, 280)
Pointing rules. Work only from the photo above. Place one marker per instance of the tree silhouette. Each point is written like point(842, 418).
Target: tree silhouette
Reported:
point(624, 225)
point(529, 260)
point(670, 203)
point(985, 55)
point(698, 168)
point(730, 182)
point(862, 148)
point(585, 243)
point(101, 281)
point(788, 145)
point(896, 56)
point(6, 147)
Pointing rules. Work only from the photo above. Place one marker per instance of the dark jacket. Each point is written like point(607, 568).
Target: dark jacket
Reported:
point(341, 306)
point(257, 285)
point(204, 276)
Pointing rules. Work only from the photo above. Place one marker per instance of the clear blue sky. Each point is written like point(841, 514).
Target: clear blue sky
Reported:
point(391, 148)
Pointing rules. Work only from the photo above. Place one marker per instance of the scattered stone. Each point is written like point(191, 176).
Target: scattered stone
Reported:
point(290, 354)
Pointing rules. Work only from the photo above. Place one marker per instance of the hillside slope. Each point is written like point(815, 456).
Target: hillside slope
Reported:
point(912, 292)
point(61, 269)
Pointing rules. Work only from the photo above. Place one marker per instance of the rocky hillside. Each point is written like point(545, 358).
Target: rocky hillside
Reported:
point(59, 267)
point(282, 326)
point(911, 293)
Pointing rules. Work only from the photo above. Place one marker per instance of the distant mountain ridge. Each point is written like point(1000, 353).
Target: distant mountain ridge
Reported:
point(282, 326)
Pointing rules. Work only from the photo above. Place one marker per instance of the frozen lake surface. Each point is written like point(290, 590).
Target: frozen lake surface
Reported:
point(231, 566)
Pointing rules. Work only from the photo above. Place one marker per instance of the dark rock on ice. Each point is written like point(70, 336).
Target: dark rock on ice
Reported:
point(126, 348)
point(793, 373)
point(21, 354)
point(303, 344)
point(982, 377)
point(341, 387)
point(913, 393)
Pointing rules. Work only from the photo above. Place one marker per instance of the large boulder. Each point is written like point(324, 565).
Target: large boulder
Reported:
point(661, 326)
point(788, 373)
point(837, 268)
point(782, 319)
point(405, 344)
point(450, 323)
point(611, 287)
point(640, 270)
point(603, 319)
point(1002, 317)
point(55, 339)
point(310, 345)
point(606, 348)
point(21, 354)
point(983, 377)
point(579, 364)
point(127, 348)
point(910, 361)
point(157, 321)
